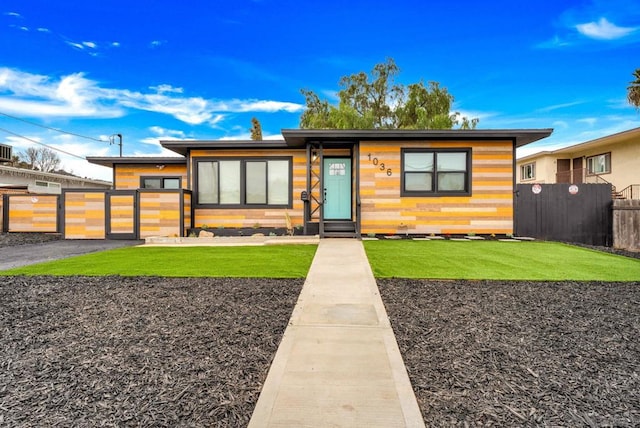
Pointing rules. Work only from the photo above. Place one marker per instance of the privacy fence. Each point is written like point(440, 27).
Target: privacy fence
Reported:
point(565, 212)
point(100, 214)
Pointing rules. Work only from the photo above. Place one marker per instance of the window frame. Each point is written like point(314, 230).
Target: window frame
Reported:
point(435, 193)
point(161, 178)
point(533, 169)
point(607, 163)
point(243, 182)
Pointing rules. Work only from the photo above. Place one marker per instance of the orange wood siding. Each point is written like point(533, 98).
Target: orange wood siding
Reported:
point(33, 213)
point(84, 215)
point(489, 209)
point(122, 213)
point(250, 217)
point(128, 176)
point(159, 214)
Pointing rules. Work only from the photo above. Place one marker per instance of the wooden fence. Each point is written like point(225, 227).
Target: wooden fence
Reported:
point(626, 224)
point(565, 212)
point(99, 214)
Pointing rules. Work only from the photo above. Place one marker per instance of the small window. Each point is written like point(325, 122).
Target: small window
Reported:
point(528, 171)
point(244, 182)
point(599, 164)
point(436, 172)
point(160, 182)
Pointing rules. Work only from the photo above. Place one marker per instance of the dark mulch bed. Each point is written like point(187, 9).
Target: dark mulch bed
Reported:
point(485, 353)
point(13, 239)
point(112, 351)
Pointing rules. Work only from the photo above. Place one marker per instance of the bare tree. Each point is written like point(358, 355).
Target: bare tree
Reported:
point(42, 159)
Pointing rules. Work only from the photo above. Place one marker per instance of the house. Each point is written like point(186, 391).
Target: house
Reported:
point(21, 180)
point(613, 159)
point(327, 182)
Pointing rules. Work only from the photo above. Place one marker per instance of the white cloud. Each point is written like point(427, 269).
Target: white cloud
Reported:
point(161, 89)
point(604, 30)
point(588, 120)
point(115, 44)
point(14, 14)
point(91, 45)
point(43, 30)
point(558, 106)
point(157, 43)
point(33, 95)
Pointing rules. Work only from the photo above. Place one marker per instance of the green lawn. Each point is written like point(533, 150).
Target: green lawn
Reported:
point(277, 261)
point(545, 261)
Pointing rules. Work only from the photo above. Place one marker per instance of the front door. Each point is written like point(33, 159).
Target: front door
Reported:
point(337, 188)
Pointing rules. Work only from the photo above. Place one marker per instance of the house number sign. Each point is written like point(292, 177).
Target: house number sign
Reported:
point(380, 165)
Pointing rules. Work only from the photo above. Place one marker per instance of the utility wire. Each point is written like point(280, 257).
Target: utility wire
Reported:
point(52, 129)
point(42, 144)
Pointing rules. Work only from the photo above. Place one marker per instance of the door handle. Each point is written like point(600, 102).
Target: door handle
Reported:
point(324, 197)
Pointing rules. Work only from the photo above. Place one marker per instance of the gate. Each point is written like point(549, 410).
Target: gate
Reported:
point(579, 213)
point(121, 214)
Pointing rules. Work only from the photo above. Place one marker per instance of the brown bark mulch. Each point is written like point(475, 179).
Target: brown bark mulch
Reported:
point(113, 351)
point(484, 353)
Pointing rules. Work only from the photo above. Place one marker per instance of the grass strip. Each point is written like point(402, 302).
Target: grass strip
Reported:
point(282, 261)
point(541, 261)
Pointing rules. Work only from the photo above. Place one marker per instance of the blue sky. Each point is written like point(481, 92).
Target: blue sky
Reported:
point(152, 70)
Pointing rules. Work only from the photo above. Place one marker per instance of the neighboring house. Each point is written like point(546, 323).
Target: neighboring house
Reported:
point(327, 182)
point(612, 159)
point(20, 180)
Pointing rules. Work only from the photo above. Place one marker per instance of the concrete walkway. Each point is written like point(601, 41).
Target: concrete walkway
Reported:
point(338, 364)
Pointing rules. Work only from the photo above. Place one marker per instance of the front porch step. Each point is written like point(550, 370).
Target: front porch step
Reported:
point(340, 226)
point(340, 235)
point(340, 229)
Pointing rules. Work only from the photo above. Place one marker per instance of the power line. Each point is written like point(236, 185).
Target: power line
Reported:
point(42, 144)
point(52, 129)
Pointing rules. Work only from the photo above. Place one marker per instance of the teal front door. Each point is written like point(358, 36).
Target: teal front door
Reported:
point(337, 189)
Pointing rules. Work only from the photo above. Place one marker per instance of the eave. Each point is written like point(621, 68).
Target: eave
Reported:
point(111, 161)
point(299, 137)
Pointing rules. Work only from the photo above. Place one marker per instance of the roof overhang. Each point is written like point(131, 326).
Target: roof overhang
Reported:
point(182, 147)
point(111, 161)
point(521, 137)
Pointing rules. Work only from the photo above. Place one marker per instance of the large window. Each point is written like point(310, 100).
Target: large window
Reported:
point(599, 164)
point(244, 182)
point(160, 182)
point(437, 172)
point(528, 171)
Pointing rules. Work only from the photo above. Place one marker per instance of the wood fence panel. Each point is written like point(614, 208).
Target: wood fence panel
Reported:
point(32, 213)
point(564, 212)
point(84, 215)
point(626, 224)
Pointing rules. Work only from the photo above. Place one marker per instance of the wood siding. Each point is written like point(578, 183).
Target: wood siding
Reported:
point(159, 214)
point(84, 215)
point(250, 217)
point(186, 212)
point(127, 176)
point(489, 209)
point(33, 213)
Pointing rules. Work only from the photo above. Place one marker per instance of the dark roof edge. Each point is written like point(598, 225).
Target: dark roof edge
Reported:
point(521, 136)
point(183, 146)
point(112, 160)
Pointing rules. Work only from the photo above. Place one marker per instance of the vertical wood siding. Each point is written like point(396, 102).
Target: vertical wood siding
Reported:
point(250, 217)
point(84, 215)
point(489, 209)
point(33, 213)
point(159, 214)
point(128, 176)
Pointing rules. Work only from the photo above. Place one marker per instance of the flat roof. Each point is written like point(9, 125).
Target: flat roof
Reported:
point(182, 147)
point(298, 137)
point(110, 161)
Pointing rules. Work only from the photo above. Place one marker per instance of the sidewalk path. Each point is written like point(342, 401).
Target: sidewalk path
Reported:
point(338, 364)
